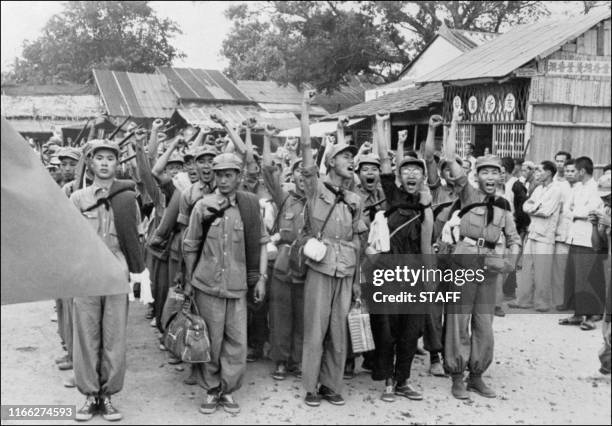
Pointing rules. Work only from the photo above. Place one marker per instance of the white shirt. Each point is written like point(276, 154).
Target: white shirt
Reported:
point(584, 198)
point(563, 223)
point(543, 208)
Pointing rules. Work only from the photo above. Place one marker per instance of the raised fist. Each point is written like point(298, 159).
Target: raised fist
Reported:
point(382, 116)
point(402, 135)
point(270, 130)
point(435, 120)
point(217, 119)
point(458, 114)
point(342, 122)
point(157, 123)
point(309, 95)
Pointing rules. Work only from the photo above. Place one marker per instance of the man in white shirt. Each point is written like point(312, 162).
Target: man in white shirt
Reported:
point(561, 247)
point(583, 265)
point(534, 280)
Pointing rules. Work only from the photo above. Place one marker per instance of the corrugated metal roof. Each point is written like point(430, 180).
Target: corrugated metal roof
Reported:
point(348, 95)
point(48, 89)
point(315, 110)
point(135, 94)
point(270, 92)
point(202, 85)
point(411, 99)
point(511, 50)
point(63, 106)
point(236, 114)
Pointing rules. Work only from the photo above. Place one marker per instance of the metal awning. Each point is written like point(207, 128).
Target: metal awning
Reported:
point(235, 115)
point(318, 130)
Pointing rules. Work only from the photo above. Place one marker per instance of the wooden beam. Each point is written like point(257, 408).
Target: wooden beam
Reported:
point(576, 125)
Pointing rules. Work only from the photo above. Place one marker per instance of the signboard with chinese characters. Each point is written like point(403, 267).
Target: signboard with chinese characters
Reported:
point(490, 104)
point(509, 102)
point(456, 103)
point(579, 68)
point(472, 104)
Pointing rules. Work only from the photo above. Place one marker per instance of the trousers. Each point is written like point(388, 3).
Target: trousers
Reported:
point(64, 323)
point(227, 329)
point(286, 319)
point(534, 280)
point(585, 275)
point(433, 336)
point(327, 301)
point(395, 337)
point(463, 350)
point(99, 353)
point(559, 264)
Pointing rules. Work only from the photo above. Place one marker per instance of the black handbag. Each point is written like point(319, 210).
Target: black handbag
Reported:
point(186, 336)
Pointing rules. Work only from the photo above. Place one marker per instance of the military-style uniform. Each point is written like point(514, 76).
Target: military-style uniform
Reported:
point(286, 291)
point(478, 228)
point(328, 286)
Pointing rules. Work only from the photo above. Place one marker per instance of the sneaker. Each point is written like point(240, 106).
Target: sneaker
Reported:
point(228, 403)
point(150, 313)
point(459, 389)
point(109, 413)
point(253, 355)
point(70, 382)
point(437, 370)
point(62, 359)
point(331, 396)
point(172, 360)
point(388, 395)
point(349, 369)
point(87, 411)
point(66, 365)
point(210, 404)
point(296, 371)
point(409, 392)
point(281, 371)
point(312, 399)
point(476, 384)
point(499, 312)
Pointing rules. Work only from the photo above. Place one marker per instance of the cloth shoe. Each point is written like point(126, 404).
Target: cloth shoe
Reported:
point(476, 384)
point(437, 370)
point(109, 412)
point(408, 391)
point(388, 395)
point(211, 402)
point(70, 382)
point(87, 411)
point(459, 389)
point(330, 396)
point(281, 371)
point(228, 403)
point(62, 359)
point(312, 399)
point(499, 312)
point(67, 365)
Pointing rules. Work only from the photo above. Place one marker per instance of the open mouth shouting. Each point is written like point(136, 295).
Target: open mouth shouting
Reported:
point(411, 185)
point(489, 187)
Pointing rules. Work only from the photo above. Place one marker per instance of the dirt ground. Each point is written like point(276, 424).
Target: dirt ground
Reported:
point(543, 373)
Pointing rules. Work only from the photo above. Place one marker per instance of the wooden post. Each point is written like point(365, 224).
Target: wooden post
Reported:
point(528, 128)
point(416, 130)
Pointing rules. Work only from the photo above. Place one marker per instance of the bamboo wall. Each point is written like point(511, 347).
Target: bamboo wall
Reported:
point(571, 100)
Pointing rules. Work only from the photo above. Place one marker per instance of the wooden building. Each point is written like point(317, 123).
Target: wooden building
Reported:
point(535, 90)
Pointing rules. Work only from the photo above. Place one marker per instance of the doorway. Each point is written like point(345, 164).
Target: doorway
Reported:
point(483, 139)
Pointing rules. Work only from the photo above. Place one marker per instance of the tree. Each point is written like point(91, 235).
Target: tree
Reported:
point(325, 43)
point(123, 36)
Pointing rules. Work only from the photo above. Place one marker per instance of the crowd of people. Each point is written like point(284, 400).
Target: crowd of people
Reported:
point(267, 248)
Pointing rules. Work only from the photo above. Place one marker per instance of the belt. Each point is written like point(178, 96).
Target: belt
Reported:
point(480, 242)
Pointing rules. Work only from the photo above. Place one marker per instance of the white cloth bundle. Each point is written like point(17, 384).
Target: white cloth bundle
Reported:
point(451, 229)
point(146, 296)
point(379, 239)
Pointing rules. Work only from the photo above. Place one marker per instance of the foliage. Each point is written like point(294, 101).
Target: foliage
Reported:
point(326, 43)
point(125, 36)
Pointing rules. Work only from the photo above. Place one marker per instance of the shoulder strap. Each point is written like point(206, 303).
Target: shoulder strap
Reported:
point(403, 225)
point(328, 216)
point(106, 200)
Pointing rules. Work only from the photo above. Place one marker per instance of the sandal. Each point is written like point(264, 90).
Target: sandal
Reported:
point(587, 325)
point(571, 321)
